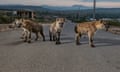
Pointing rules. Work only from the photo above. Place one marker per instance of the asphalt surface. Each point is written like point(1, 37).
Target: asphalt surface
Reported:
point(39, 56)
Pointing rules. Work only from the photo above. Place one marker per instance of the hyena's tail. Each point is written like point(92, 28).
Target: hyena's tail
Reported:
point(75, 29)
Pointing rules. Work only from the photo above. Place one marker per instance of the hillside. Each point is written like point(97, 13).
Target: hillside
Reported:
point(17, 7)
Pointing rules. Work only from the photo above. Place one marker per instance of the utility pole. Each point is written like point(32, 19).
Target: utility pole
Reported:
point(94, 9)
point(79, 12)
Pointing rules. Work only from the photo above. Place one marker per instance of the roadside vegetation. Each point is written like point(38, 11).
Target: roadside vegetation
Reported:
point(48, 17)
point(114, 23)
point(5, 18)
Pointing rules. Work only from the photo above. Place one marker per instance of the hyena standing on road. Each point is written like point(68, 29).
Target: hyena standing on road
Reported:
point(28, 27)
point(88, 28)
point(55, 30)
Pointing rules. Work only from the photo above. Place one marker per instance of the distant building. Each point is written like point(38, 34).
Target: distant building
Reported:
point(25, 14)
point(92, 19)
point(107, 19)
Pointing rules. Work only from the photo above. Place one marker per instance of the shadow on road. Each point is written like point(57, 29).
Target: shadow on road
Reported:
point(67, 40)
point(15, 43)
point(100, 42)
point(47, 35)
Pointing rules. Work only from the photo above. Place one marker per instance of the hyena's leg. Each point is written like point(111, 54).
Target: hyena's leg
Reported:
point(90, 35)
point(25, 36)
point(54, 37)
point(58, 38)
point(42, 34)
point(77, 38)
point(29, 37)
point(36, 33)
point(50, 35)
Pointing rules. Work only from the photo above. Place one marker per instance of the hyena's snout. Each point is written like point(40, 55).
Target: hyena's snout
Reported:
point(19, 25)
point(61, 24)
point(107, 27)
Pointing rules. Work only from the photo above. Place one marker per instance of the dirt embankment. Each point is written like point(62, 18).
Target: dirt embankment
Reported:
point(114, 29)
point(5, 27)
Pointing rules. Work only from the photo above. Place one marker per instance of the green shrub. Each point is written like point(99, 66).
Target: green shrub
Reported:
point(114, 23)
point(5, 19)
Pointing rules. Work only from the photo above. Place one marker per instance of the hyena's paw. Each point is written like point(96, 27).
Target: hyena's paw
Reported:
point(50, 39)
point(78, 43)
point(29, 41)
point(25, 40)
point(44, 40)
point(57, 43)
point(93, 46)
point(54, 40)
point(36, 39)
point(21, 37)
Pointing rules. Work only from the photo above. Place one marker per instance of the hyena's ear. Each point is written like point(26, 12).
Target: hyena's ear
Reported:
point(57, 19)
point(64, 19)
point(101, 21)
point(21, 19)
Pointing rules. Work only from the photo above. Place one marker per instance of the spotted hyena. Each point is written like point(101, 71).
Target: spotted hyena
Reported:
point(88, 28)
point(28, 27)
point(55, 30)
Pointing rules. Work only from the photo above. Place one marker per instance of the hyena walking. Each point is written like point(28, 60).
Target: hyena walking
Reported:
point(55, 30)
point(88, 28)
point(28, 27)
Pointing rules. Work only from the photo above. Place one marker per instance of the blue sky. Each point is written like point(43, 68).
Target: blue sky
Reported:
point(100, 3)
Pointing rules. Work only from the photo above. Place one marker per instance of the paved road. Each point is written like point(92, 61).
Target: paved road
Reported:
point(17, 56)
